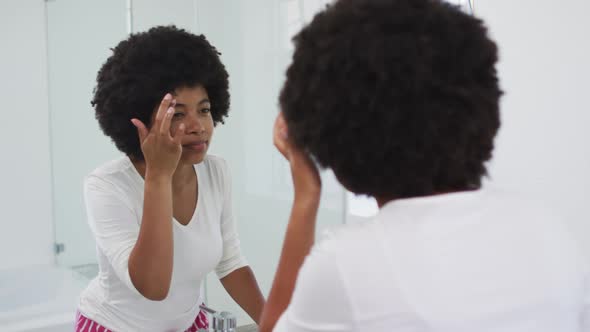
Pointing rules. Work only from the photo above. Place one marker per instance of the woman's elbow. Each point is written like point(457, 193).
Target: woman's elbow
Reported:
point(152, 287)
point(155, 290)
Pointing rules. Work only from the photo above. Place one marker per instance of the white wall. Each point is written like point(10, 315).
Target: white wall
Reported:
point(543, 146)
point(149, 13)
point(26, 234)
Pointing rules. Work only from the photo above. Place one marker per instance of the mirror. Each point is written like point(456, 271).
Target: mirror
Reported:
point(254, 39)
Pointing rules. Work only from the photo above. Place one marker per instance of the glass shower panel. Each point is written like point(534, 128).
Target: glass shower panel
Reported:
point(79, 35)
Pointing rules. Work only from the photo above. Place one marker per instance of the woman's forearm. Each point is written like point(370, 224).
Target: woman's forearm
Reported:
point(150, 262)
point(299, 239)
point(241, 285)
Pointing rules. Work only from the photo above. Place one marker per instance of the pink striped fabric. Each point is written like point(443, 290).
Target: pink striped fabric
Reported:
point(85, 324)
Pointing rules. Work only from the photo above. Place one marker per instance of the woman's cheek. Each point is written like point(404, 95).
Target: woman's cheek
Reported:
point(174, 126)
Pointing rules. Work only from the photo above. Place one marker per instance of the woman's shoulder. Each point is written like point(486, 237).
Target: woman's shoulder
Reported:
point(214, 167)
point(347, 239)
point(118, 172)
point(215, 161)
point(112, 167)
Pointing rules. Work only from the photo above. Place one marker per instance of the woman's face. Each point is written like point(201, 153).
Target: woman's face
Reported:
point(193, 108)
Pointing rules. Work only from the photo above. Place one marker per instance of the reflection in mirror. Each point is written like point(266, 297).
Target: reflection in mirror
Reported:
point(254, 40)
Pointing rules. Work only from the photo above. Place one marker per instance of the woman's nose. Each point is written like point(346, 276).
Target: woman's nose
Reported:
point(194, 125)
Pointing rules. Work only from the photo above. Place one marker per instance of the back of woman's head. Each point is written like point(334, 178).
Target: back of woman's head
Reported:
point(399, 98)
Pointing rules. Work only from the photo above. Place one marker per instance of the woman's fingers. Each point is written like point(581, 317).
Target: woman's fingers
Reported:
point(164, 129)
point(280, 136)
point(179, 134)
point(161, 113)
point(306, 178)
point(142, 130)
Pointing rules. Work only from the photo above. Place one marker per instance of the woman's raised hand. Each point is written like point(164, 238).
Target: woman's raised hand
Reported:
point(161, 149)
point(306, 178)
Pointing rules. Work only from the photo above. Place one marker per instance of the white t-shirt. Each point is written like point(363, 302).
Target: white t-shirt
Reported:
point(114, 204)
point(482, 261)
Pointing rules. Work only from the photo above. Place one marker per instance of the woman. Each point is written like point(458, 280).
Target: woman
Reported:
point(400, 98)
point(162, 214)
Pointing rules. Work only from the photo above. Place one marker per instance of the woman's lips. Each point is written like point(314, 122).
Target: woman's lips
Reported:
point(196, 146)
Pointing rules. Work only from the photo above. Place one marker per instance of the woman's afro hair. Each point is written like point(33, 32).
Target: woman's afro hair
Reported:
point(400, 98)
point(146, 66)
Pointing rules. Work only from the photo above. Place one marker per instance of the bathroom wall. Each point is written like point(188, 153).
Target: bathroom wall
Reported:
point(543, 148)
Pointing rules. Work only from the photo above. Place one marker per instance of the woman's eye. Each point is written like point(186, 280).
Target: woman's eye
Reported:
point(205, 110)
point(178, 115)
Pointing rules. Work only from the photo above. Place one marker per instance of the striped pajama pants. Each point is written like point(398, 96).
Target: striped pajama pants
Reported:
point(85, 324)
